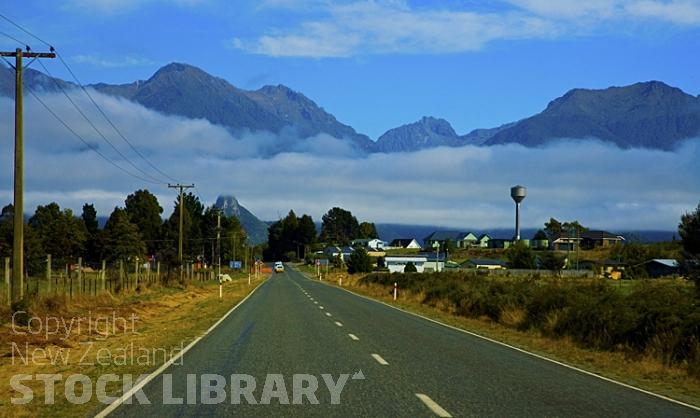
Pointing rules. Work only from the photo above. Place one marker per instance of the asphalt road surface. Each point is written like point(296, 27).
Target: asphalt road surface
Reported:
point(311, 349)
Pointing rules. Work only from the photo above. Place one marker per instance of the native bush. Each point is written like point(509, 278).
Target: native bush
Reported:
point(659, 319)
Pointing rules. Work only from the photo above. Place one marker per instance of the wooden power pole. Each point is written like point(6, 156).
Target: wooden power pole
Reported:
point(17, 286)
point(182, 209)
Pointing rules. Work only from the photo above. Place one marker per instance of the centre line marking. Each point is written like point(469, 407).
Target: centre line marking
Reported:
point(315, 302)
point(338, 323)
point(320, 307)
point(380, 360)
point(437, 409)
point(353, 337)
point(328, 314)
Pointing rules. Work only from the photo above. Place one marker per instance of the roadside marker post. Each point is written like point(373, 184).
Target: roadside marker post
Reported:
point(221, 290)
point(396, 290)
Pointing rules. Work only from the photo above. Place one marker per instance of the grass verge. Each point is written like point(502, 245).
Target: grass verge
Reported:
point(127, 334)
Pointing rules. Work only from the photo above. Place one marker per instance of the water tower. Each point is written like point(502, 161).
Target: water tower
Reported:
point(518, 194)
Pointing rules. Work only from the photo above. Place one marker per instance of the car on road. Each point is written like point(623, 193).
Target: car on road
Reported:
point(279, 267)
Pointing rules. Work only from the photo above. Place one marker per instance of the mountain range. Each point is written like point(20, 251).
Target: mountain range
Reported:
point(649, 114)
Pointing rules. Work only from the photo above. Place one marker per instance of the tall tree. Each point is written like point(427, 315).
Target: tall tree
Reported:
point(6, 231)
point(122, 240)
point(553, 228)
point(339, 227)
point(689, 231)
point(307, 229)
point(193, 242)
point(368, 231)
point(92, 241)
point(62, 234)
point(33, 251)
point(360, 261)
point(288, 236)
point(145, 212)
point(89, 217)
point(233, 239)
point(520, 256)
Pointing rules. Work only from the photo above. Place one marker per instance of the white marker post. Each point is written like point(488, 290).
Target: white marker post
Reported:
point(221, 291)
point(396, 290)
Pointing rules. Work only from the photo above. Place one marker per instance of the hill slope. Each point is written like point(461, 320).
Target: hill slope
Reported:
point(643, 115)
point(254, 227)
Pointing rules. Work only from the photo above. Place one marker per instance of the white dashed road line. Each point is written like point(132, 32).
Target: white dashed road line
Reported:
point(353, 337)
point(328, 314)
point(437, 409)
point(380, 360)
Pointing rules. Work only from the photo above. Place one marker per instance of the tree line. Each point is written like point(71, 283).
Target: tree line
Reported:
point(133, 232)
point(294, 237)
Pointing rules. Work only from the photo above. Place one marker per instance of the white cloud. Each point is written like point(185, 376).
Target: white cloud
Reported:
point(117, 7)
point(683, 12)
point(466, 188)
point(392, 27)
point(376, 27)
point(115, 62)
point(679, 12)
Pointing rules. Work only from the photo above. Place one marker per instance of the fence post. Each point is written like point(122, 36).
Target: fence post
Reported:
point(81, 282)
point(136, 271)
point(7, 278)
point(158, 272)
point(103, 275)
point(48, 274)
point(121, 274)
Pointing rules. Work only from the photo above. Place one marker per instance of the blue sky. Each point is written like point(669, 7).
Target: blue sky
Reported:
point(374, 65)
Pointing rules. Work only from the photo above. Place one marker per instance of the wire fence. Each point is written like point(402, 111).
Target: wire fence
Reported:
point(74, 280)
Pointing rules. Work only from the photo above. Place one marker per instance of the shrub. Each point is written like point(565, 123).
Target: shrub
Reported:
point(20, 311)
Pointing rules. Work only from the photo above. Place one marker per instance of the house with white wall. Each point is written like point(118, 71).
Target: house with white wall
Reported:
point(397, 263)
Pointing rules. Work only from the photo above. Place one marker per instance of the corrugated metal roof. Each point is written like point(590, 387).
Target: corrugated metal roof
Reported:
point(668, 262)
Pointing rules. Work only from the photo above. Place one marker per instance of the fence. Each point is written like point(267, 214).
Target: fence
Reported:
point(76, 279)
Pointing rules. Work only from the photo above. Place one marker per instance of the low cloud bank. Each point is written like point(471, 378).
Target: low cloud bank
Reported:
point(468, 188)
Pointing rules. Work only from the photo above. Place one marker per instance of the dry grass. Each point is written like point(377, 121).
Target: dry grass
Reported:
point(159, 320)
point(647, 372)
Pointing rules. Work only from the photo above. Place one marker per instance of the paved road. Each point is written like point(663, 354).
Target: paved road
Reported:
point(410, 367)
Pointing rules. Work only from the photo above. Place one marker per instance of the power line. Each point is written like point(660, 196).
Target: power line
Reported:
point(87, 119)
point(92, 100)
point(109, 121)
point(24, 30)
point(89, 145)
point(11, 37)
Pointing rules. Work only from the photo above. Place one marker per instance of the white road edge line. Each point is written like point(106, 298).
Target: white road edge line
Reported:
point(437, 409)
point(353, 337)
point(139, 385)
point(380, 360)
point(568, 366)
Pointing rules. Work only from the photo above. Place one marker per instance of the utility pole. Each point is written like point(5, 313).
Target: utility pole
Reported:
point(218, 243)
point(182, 210)
point(17, 285)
